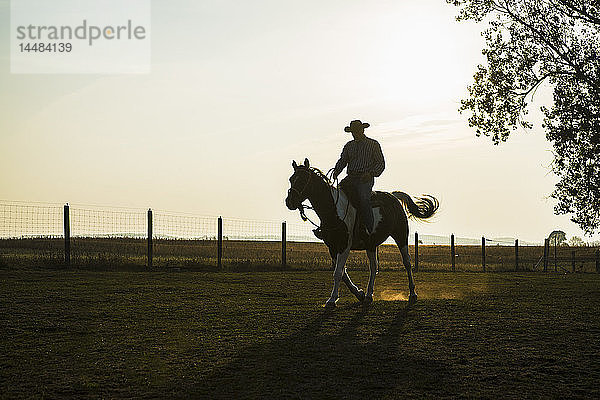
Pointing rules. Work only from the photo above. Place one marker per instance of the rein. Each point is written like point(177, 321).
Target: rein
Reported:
point(300, 193)
point(337, 186)
point(302, 206)
point(304, 217)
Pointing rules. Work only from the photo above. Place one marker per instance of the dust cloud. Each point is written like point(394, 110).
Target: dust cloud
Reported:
point(426, 290)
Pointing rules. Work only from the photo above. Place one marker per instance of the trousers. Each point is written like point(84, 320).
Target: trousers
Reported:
point(362, 189)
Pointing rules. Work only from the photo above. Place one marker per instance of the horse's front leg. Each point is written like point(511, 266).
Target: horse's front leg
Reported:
point(338, 273)
point(359, 293)
point(333, 258)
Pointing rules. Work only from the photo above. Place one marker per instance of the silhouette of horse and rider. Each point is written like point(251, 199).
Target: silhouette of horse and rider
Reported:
point(352, 216)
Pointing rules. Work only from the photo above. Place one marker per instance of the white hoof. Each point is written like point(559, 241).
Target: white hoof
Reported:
point(330, 303)
point(412, 299)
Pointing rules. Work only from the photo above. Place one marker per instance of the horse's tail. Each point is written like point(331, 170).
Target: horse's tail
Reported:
point(423, 208)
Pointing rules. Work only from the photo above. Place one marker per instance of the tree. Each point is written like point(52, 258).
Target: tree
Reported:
point(557, 237)
point(529, 43)
point(576, 241)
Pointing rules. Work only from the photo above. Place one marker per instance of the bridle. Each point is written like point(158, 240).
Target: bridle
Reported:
point(301, 206)
point(300, 192)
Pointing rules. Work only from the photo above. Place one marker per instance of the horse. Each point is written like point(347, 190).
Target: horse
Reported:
point(338, 222)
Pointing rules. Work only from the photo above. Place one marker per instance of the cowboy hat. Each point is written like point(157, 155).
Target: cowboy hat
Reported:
point(356, 124)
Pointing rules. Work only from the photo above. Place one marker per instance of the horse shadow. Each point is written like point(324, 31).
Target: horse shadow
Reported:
point(328, 359)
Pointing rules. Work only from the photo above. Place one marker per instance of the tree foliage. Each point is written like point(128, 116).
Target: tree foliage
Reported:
point(557, 237)
point(528, 43)
point(576, 241)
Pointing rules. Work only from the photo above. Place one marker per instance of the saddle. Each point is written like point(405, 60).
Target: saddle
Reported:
point(336, 237)
point(360, 234)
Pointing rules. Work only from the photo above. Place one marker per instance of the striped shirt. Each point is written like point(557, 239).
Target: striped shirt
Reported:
point(362, 155)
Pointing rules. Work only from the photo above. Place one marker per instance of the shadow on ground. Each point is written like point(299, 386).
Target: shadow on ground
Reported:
point(333, 355)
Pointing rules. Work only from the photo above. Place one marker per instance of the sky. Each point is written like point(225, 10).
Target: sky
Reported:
point(237, 90)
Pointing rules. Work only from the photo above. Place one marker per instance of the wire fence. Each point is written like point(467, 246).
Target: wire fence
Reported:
point(83, 235)
point(31, 220)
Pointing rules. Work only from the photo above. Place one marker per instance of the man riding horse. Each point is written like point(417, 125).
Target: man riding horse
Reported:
point(383, 214)
point(365, 161)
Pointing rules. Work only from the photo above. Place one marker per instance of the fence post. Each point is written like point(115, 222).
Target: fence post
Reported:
point(452, 252)
point(219, 242)
point(555, 268)
point(546, 248)
point(573, 260)
point(483, 252)
point(516, 255)
point(416, 252)
point(598, 261)
point(283, 244)
point(67, 230)
point(149, 238)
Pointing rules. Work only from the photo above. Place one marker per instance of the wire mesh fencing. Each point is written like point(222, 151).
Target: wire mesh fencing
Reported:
point(104, 236)
point(571, 259)
point(31, 220)
point(484, 254)
point(31, 233)
point(501, 255)
point(184, 239)
point(83, 235)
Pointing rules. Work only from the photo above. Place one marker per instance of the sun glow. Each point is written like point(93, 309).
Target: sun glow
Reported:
point(422, 60)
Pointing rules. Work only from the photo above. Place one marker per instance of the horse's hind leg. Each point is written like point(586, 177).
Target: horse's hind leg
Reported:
point(412, 298)
point(359, 293)
point(372, 255)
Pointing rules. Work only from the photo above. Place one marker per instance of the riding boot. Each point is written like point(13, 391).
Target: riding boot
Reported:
point(319, 234)
point(367, 237)
point(369, 240)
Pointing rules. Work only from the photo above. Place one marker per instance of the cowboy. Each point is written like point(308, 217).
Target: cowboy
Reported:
point(365, 161)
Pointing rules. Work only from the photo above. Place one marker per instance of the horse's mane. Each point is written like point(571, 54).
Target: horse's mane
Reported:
point(332, 230)
point(319, 173)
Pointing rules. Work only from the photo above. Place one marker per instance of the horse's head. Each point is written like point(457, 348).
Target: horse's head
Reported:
point(299, 185)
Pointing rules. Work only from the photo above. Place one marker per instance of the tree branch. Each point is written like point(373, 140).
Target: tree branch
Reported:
point(577, 68)
point(582, 13)
point(539, 82)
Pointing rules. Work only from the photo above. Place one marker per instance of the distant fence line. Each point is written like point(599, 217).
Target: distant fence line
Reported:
point(68, 222)
point(31, 220)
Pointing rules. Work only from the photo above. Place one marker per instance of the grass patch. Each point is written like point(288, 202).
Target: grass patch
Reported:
point(238, 255)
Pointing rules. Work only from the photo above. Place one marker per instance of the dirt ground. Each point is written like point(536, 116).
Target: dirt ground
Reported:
point(89, 334)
